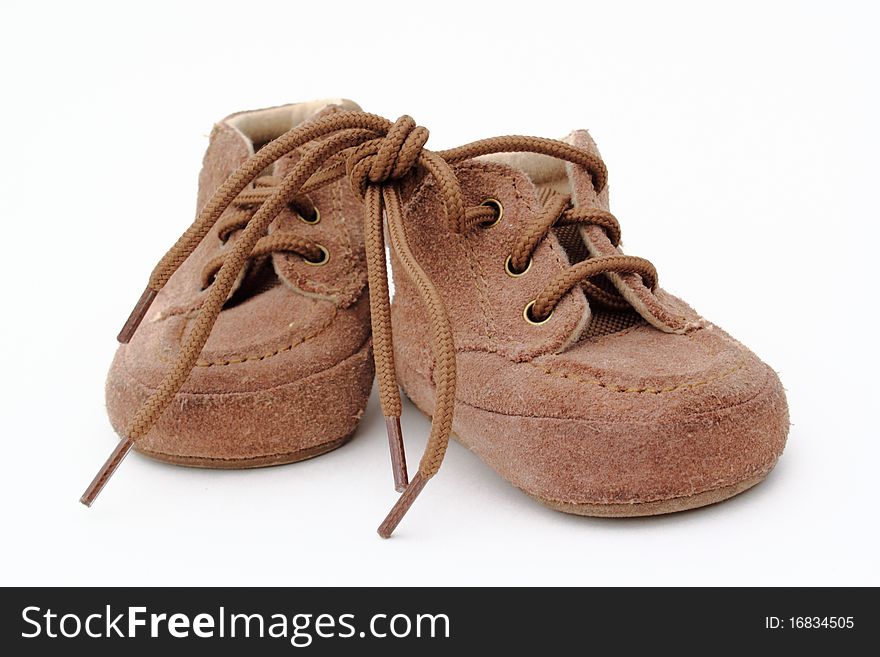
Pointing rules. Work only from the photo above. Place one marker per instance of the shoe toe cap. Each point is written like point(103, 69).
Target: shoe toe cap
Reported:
point(260, 396)
point(632, 419)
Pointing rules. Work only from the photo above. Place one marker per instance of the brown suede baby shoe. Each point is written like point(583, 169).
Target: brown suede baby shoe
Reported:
point(251, 346)
point(573, 374)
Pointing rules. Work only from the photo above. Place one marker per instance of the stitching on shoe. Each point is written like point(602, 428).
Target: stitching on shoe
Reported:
point(531, 203)
point(352, 274)
point(751, 398)
point(761, 469)
point(513, 181)
point(308, 285)
point(656, 391)
point(360, 352)
point(252, 357)
point(601, 384)
point(765, 386)
point(305, 284)
point(482, 288)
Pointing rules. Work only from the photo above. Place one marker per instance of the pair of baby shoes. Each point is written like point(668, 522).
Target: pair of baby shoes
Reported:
point(518, 325)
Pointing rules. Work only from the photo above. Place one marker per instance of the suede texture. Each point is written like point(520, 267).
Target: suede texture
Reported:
point(665, 411)
point(287, 370)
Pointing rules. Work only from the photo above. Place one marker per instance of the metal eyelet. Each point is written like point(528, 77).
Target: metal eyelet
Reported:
point(508, 267)
point(527, 315)
point(499, 212)
point(315, 218)
point(325, 258)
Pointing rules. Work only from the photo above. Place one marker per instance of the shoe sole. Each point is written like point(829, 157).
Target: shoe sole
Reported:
point(658, 508)
point(635, 509)
point(247, 463)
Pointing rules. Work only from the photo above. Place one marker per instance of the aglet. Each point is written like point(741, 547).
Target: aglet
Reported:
point(137, 315)
point(103, 476)
point(404, 502)
point(398, 455)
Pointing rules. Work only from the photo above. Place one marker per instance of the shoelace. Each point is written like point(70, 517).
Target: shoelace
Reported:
point(557, 211)
point(279, 241)
point(376, 155)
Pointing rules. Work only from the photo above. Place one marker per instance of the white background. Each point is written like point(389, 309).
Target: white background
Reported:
point(742, 143)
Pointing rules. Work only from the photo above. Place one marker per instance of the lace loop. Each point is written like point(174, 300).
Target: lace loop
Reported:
point(398, 152)
point(279, 241)
point(595, 216)
point(565, 280)
point(536, 231)
point(557, 212)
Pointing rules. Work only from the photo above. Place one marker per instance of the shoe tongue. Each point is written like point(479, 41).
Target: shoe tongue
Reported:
point(551, 178)
point(283, 165)
point(592, 241)
point(228, 149)
point(259, 127)
point(603, 321)
point(238, 136)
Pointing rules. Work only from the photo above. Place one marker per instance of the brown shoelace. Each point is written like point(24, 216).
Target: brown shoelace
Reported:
point(376, 155)
point(280, 241)
point(558, 212)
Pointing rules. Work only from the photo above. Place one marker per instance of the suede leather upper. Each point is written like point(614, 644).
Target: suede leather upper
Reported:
point(285, 370)
point(671, 407)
